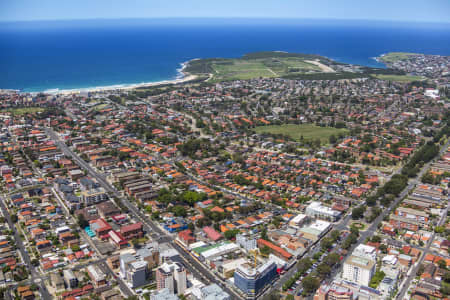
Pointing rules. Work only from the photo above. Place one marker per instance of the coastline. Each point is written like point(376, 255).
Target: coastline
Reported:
point(181, 77)
point(379, 58)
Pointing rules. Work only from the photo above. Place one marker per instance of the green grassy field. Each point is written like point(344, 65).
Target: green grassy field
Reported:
point(263, 64)
point(100, 106)
point(395, 56)
point(399, 78)
point(23, 111)
point(247, 69)
point(308, 131)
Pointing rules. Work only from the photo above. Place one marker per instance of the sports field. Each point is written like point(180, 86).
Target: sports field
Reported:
point(399, 78)
point(23, 111)
point(308, 131)
point(259, 64)
point(240, 69)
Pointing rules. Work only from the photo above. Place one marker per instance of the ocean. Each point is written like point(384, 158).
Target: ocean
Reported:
point(40, 56)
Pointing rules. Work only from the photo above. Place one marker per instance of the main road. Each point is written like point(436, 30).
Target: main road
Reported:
point(35, 276)
point(196, 268)
point(374, 226)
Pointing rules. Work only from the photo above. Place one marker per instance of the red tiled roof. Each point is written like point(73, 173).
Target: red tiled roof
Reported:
point(275, 248)
point(131, 227)
point(211, 233)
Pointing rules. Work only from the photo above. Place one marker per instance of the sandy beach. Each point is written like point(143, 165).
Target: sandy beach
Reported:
point(182, 77)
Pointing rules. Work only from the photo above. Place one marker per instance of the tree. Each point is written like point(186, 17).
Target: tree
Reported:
point(447, 276)
point(14, 218)
point(231, 234)
point(276, 221)
point(351, 239)
point(323, 270)
point(358, 212)
point(326, 243)
point(439, 229)
point(376, 239)
point(331, 259)
point(442, 264)
point(272, 296)
point(332, 139)
point(265, 250)
point(394, 186)
point(428, 178)
point(310, 284)
point(264, 234)
point(371, 201)
point(335, 234)
point(179, 211)
point(82, 222)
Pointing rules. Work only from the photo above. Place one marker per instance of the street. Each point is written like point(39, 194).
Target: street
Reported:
point(194, 267)
point(35, 276)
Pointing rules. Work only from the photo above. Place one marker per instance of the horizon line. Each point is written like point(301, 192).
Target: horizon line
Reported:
point(225, 18)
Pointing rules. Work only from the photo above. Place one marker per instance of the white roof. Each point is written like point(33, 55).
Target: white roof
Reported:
point(365, 248)
point(390, 259)
point(62, 229)
point(319, 207)
point(320, 225)
point(96, 273)
point(298, 218)
point(222, 249)
point(365, 251)
point(197, 244)
point(278, 261)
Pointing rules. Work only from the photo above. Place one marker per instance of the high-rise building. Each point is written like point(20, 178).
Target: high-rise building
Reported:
point(246, 242)
point(252, 280)
point(360, 266)
point(136, 267)
point(98, 278)
point(70, 279)
point(138, 273)
point(358, 270)
point(171, 275)
point(365, 251)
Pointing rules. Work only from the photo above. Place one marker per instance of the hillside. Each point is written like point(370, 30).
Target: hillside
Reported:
point(281, 64)
point(261, 64)
point(392, 57)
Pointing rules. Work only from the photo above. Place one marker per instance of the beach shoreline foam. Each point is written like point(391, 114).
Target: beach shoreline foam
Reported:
point(181, 77)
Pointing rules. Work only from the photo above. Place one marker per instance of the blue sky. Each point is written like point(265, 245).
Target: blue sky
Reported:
point(393, 10)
